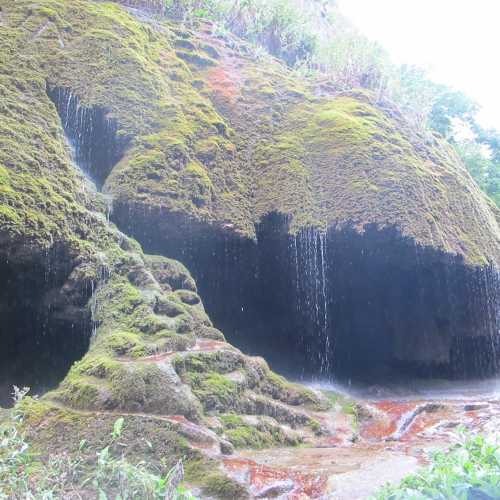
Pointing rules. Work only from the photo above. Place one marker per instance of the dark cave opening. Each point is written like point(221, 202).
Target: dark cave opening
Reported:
point(42, 332)
point(90, 132)
point(344, 305)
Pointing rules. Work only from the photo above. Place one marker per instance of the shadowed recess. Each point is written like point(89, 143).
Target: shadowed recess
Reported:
point(366, 305)
point(43, 332)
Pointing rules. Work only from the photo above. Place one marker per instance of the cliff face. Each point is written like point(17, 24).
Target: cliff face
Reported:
point(317, 225)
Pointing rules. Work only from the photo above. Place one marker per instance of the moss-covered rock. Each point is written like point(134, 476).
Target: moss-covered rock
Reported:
point(54, 432)
point(359, 162)
point(189, 152)
point(257, 432)
point(205, 136)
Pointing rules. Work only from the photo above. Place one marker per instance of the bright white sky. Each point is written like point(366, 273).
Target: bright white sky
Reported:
point(458, 41)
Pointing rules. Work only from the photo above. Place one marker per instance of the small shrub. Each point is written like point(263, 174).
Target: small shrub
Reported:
point(471, 469)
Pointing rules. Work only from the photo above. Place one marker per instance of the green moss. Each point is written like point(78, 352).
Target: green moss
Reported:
point(231, 420)
point(200, 185)
point(223, 487)
point(196, 58)
point(148, 322)
point(95, 366)
point(279, 388)
point(32, 410)
point(215, 391)
point(207, 150)
point(170, 273)
point(124, 343)
point(263, 434)
point(208, 332)
point(247, 437)
point(217, 361)
point(79, 391)
point(213, 482)
point(9, 216)
point(53, 431)
point(176, 342)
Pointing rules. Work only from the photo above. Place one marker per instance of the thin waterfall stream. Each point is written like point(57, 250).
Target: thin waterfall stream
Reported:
point(312, 299)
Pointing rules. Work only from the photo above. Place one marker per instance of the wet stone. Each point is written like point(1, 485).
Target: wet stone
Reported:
point(276, 489)
point(226, 447)
point(476, 406)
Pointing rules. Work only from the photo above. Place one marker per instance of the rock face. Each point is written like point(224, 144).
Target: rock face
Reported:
point(321, 230)
point(365, 213)
point(77, 289)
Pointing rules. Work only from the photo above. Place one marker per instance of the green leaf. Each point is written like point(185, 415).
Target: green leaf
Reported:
point(118, 428)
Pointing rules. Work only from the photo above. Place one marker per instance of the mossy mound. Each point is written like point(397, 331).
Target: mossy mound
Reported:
point(211, 133)
point(251, 432)
point(326, 159)
point(207, 135)
point(169, 381)
point(56, 433)
point(151, 354)
point(359, 162)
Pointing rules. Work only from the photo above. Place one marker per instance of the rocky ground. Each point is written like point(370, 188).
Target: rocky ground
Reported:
point(385, 441)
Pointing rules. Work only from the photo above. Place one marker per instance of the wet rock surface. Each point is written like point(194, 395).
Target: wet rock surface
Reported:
point(393, 439)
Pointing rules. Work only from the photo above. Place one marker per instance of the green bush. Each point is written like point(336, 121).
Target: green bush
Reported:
point(471, 469)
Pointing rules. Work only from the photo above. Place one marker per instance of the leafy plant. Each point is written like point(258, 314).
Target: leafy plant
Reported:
point(118, 428)
point(471, 469)
point(64, 476)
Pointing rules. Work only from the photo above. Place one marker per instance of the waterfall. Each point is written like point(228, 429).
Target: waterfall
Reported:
point(325, 364)
point(491, 287)
point(309, 259)
point(103, 275)
point(91, 133)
